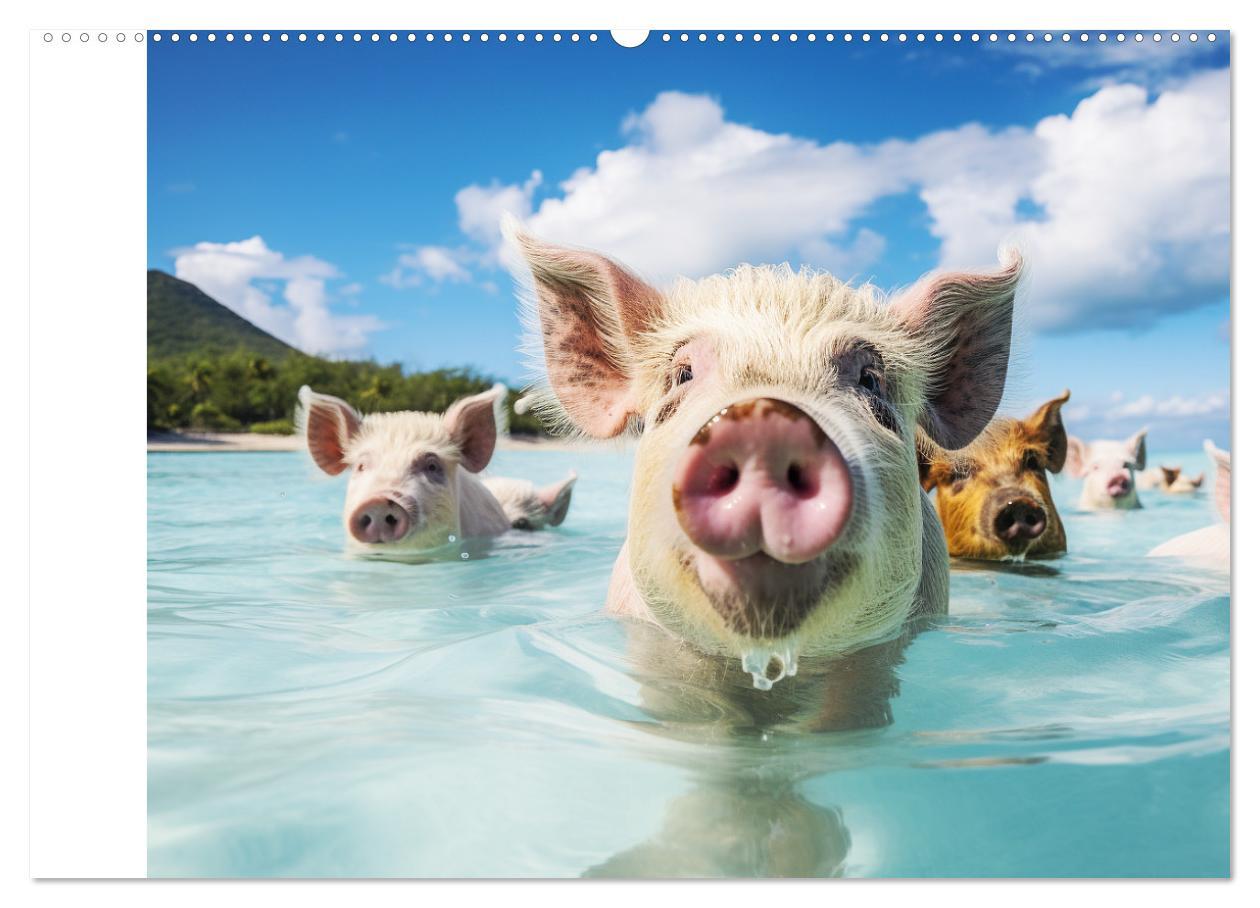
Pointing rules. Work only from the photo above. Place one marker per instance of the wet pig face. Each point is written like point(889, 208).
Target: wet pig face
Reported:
point(993, 497)
point(1109, 470)
point(775, 507)
point(407, 470)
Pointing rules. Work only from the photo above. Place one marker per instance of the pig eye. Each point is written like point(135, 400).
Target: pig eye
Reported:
point(430, 465)
point(361, 467)
point(1032, 461)
point(682, 374)
point(870, 380)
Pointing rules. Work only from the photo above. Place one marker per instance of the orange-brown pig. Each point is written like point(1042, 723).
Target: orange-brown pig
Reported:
point(993, 497)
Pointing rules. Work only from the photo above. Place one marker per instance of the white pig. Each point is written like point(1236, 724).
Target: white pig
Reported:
point(531, 508)
point(775, 508)
point(1210, 545)
point(413, 476)
point(1108, 468)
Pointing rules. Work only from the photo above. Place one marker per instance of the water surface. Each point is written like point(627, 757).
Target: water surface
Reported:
point(314, 715)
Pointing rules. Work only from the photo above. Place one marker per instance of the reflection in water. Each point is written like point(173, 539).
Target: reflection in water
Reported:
point(741, 829)
point(747, 816)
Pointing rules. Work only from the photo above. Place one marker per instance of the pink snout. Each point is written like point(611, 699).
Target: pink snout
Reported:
point(1119, 485)
point(379, 520)
point(761, 476)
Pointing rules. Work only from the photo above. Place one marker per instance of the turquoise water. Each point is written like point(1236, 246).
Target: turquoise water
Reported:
point(312, 715)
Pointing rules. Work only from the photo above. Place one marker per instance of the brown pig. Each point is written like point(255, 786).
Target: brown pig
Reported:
point(993, 498)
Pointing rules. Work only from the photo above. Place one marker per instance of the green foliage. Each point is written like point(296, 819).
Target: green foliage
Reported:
point(228, 391)
point(273, 427)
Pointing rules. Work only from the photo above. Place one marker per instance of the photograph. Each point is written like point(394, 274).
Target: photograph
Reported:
point(688, 454)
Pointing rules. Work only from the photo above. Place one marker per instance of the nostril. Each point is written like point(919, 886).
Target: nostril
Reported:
point(723, 479)
point(365, 521)
point(391, 520)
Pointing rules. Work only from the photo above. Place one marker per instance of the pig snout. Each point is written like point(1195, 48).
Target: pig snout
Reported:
point(761, 476)
point(1018, 519)
point(380, 520)
point(1119, 485)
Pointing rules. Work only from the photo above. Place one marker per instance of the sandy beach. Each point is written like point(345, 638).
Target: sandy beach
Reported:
point(187, 442)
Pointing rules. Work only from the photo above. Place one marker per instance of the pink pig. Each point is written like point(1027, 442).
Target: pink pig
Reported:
point(1109, 469)
point(775, 508)
point(413, 476)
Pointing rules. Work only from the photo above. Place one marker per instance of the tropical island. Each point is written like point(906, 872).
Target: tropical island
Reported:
point(212, 371)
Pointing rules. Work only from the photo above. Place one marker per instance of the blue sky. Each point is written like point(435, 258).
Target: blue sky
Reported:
point(344, 195)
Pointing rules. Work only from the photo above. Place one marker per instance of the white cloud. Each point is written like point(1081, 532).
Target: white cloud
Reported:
point(436, 263)
point(1136, 200)
point(692, 193)
point(1144, 62)
point(1214, 403)
point(239, 275)
point(1122, 206)
point(481, 207)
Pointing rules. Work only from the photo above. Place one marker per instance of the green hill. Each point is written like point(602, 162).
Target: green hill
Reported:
point(184, 320)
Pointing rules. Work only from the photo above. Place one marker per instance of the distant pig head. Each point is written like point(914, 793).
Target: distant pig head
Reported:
point(406, 468)
point(993, 497)
point(1108, 468)
point(775, 499)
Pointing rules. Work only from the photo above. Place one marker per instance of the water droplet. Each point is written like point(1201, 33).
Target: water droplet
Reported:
point(450, 538)
point(770, 664)
point(463, 555)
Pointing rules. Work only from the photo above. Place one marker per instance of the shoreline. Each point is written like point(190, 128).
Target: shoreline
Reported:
point(235, 442)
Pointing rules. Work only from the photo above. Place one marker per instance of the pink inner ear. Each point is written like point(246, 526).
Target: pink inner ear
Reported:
point(471, 422)
point(1076, 457)
point(589, 310)
point(330, 424)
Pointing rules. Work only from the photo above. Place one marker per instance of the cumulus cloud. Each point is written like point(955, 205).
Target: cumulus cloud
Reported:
point(436, 263)
point(245, 275)
point(481, 207)
point(1121, 206)
point(1214, 403)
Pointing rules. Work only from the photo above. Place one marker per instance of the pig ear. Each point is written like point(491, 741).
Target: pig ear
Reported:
point(555, 499)
point(966, 320)
point(1137, 449)
point(328, 423)
point(1047, 422)
point(1077, 457)
point(1221, 488)
point(474, 424)
point(590, 310)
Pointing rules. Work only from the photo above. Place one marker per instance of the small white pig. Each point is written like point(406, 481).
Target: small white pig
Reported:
point(530, 508)
point(1108, 468)
point(775, 508)
point(413, 482)
point(1210, 545)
